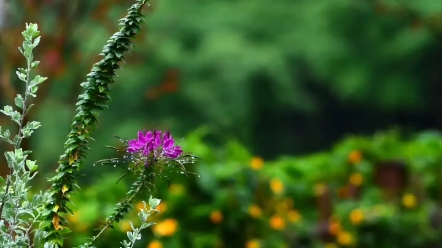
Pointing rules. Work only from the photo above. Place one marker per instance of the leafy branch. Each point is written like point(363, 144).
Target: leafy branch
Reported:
point(94, 99)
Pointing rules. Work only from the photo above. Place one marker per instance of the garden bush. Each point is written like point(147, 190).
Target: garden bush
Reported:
point(367, 191)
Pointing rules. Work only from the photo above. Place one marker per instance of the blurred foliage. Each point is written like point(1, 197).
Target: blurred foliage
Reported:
point(299, 73)
point(379, 191)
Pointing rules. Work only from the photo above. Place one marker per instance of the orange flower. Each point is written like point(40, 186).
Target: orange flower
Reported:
point(334, 227)
point(355, 157)
point(276, 186)
point(216, 217)
point(356, 216)
point(345, 238)
point(409, 200)
point(255, 211)
point(277, 223)
point(165, 228)
point(162, 206)
point(155, 244)
point(256, 163)
point(253, 243)
point(356, 179)
point(293, 216)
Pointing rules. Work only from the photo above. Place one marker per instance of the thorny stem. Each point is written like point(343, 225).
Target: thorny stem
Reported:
point(19, 135)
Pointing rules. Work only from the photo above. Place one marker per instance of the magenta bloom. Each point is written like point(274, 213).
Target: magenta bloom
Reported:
point(155, 144)
point(138, 144)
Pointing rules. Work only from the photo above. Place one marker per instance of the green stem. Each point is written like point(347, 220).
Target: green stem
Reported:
point(122, 207)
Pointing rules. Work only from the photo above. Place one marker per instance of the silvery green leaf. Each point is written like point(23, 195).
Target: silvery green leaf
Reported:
point(21, 76)
point(33, 90)
point(36, 41)
point(19, 102)
point(130, 236)
point(35, 64)
point(16, 117)
point(31, 165)
point(7, 110)
point(27, 54)
point(29, 108)
point(147, 224)
point(10, 158)
point(125, 243)
point(37, 80)
point(153, 202)
point(6, 134)
point(27, 46)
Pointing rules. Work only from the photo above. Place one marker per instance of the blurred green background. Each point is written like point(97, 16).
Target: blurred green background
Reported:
point(283, 100)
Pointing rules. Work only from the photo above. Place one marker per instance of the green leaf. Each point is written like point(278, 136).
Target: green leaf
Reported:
point(19, 102)
point(35, 64)
point(36, 41)
point(153, 202)
point(31, 165)
point(21, 76)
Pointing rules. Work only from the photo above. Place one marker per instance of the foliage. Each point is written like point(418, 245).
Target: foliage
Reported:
point(373, 191)
point(301, 73)
point(18, 214)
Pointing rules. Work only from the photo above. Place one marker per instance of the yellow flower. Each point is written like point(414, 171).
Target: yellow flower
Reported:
point(255, 211)
point(165, 228)
point(276, 186)
point(356, 179)
point(256, 163)
point(356, 216)
point(253, 243)
point(155, 244)
point(125, 226)
point(344, 238)
point(176, 189)
point(277, 223)
point(355, 157)
point(409, 200)
point(330, 245)
point(293, 216)
point(216, 217)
